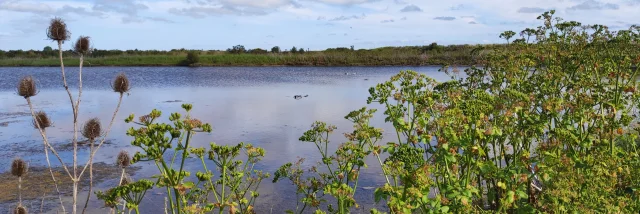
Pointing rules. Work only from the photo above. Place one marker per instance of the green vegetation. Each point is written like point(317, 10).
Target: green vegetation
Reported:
point(239, 56)
point(547, 124)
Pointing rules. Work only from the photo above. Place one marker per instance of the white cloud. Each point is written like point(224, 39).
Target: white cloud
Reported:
point(411, 8)
point(594, 5)
point(26, 6)
point(345, 2)
point(258, 3)
point(346, 18)
point(294, 22)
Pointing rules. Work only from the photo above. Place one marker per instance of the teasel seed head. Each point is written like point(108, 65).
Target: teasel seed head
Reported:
point(20, 210)
point(57, 30)
point(123, 160)
point(41, 120)
point(91, 129)
point(82, 45)
point(27, 87)
point(126, 180)
point(19, 167)
point(121, 84)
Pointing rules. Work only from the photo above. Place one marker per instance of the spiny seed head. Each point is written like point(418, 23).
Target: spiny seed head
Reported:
point(125, 181)
point(42, 120)
point(19, 168)
point(27, 87)
point(121, 83)
point(123, 160)
point(57, 30)
point(83, 45)
point(91, 129)
point(20, 210)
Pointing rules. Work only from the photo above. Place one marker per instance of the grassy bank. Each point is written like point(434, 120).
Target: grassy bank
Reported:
point(390, 56)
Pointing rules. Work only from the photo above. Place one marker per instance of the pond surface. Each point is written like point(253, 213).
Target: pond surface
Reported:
point(243, 104)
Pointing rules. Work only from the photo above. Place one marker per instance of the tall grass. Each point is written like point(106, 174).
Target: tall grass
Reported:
point(325, 58)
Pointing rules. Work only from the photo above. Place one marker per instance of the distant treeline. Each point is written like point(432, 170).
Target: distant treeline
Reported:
point(238, 55)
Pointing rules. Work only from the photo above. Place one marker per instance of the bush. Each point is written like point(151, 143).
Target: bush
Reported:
point(192, 58)
point(532, 130)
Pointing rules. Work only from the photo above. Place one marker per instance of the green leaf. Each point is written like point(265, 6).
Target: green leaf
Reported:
point(444, 209)
point(189, 184)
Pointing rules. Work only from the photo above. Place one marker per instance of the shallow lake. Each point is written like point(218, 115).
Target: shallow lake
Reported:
point(243, 104)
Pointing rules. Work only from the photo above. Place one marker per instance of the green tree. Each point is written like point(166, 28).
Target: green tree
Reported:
point(294, 50)
point(275, 49)
point(238, 49)
point(300, 50)
point(192, 58)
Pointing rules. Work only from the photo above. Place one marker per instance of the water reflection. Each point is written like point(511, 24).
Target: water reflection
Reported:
point(244, 104)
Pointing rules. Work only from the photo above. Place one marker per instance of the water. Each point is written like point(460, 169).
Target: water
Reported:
point(243, 104)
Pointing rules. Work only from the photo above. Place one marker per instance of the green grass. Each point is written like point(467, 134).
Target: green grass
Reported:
point(350, 58)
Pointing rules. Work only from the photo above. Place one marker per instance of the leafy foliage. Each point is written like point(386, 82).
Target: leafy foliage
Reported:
point(192, 58)
point(234, 190)
point(547, 124)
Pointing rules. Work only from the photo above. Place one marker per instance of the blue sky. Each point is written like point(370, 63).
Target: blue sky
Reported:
point(313, 24)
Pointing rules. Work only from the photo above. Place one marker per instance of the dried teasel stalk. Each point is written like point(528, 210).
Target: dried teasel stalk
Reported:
point(27, 87)
point(123, 159)
point(41, 120)
point(20, 210)
point(57, 30)
point(19, 167)
point(121, 84)
point(82, 45)
point(92, 129)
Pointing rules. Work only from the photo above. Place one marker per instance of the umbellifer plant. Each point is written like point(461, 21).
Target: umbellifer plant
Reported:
point(168, 146)
point(57, 31)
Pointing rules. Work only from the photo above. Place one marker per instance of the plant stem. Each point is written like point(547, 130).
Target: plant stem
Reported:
point(184, 156)
point(105, 134)
point(53, 177)
point(86, 203)
point(20, 190)
point(224, 179)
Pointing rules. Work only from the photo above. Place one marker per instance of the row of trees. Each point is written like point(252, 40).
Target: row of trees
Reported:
point(239, 49)
point(48, 51)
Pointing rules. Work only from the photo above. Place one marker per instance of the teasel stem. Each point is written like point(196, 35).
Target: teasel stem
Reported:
point(75, 129)
point(86, 203)
point(104, 137)
point(165, 206)
point(20, 191)
point(53, 177)
point(121, 176)
point(119, 183)
point(46, 141)
point(46, 153)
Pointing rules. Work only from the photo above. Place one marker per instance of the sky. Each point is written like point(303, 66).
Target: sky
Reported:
point(310, 24)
